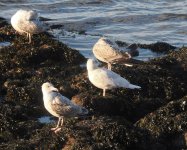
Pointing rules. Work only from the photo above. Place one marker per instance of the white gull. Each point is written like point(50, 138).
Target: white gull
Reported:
point(106, 79)
point(108, 51)
point(60, 106)
point(27, 22)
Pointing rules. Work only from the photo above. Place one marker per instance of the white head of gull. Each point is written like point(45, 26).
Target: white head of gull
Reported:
point(60, 106)
point(27, 22)
point(108, 51)
point(106, 79)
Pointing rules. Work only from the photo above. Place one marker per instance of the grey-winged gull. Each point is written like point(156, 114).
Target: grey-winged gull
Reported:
point(108, 51)
point(27, 22)
point(106, 79)
point(60, 106)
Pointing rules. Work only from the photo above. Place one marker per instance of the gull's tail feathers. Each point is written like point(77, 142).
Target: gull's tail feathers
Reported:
point(131, 86)
point(128, 65)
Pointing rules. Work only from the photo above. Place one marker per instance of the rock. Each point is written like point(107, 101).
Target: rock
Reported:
point(24, 67)
point(174, 61)
point(104, 132)
point(121, 44)
point(3, 22)
point(159, 47)
point(109, 105)
point(168, 124)
point(133, 50)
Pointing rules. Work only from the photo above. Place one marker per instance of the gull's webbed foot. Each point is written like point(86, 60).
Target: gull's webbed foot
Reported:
point(57, 130)
point(53, 129)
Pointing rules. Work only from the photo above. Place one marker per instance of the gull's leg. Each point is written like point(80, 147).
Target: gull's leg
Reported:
point(27, 35)
point(58, 124)
point(29, 38)
point(109, 66)
point(61, 123)
point(104, 92)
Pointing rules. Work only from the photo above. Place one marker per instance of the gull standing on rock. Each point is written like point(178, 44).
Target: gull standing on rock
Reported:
point(27, 22)
point(106, 79)
point(60, 106)
point(107, 51)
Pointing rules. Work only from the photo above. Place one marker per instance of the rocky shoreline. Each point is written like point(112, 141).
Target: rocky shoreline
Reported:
point(151, 118)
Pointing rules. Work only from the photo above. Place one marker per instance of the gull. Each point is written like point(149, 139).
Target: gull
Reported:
point(106, 79)
point(27, 22)
point(107, 51)
point(59, 106)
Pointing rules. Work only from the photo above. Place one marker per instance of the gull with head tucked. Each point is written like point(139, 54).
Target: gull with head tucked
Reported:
point(107, 51)
point(60, 106)
point(106, 79)
point(27, 22)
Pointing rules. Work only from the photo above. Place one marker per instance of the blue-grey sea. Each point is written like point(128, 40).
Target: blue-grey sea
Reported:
point(133, 21)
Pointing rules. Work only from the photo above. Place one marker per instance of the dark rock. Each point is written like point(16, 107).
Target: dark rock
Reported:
point(44, 19)
point(106, 133)
point(109, 105)
point(121, 44)
point(3, 22)
point(133, 50)
point(174, 61)
point(24, 67)
point(159, 47)
point(56, 26)
point(168, 124)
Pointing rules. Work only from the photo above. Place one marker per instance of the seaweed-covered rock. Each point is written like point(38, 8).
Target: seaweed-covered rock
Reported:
point(168, 124)
point(3, 22)
point(110, 105)
point(174, 61)
point(159, 47)
point(24, 67)
point(42, 51)
point(104, 132)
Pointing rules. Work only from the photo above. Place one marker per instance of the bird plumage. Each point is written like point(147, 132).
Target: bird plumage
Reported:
point(106, 79)
point(58, 105)
point(27, 22)
point(109, 52)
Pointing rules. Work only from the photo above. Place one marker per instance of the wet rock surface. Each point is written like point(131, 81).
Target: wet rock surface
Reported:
point(153, 117)
point(159, 47)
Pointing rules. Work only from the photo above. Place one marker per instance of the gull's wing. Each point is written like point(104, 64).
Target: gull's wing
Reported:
point(34, 26)
point(64, 107)
point(109, 78)
point(108, 51)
